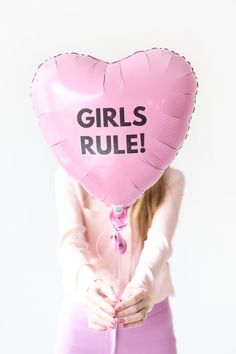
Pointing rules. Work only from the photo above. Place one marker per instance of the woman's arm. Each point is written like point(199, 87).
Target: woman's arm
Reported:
point(71, 244)
point(158, 245)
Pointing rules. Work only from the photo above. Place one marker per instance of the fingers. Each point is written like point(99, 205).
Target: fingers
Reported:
point(133, 324)
point(136, 312)
point(99, 308)
point(100, 317)
point(135, 319)
point(98, 328)
point(136, 296)
point(112, 303)
point(102, 303)
point(133, 309)
point(108, 291)
point(93, 324)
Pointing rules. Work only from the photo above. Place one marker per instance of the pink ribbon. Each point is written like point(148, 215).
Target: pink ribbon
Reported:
point(119, 220)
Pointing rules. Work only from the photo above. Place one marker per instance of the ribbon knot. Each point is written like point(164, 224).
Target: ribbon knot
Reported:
point(119, 219)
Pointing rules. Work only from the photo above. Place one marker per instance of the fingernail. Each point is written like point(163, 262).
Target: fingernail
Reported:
point(121, 320)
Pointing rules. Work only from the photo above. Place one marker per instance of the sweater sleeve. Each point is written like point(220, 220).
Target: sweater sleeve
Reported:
point(158, 244)
point(72, 245)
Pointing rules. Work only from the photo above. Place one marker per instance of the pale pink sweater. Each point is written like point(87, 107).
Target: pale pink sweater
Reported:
point(84, 248)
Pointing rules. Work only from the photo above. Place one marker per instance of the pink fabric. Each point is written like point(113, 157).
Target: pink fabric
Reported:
point(85, 251)
point(155, 335)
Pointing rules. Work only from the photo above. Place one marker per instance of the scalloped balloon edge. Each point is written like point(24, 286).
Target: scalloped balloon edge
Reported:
point(121, 59)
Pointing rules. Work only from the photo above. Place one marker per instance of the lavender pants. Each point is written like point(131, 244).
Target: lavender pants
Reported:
point(154, 336)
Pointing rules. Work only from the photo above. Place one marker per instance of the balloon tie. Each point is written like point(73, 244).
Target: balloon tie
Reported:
point(119, 219)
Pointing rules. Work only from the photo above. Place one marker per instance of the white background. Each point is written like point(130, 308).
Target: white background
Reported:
point(203, 262)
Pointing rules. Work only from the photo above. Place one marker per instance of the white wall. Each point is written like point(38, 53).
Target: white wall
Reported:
point(203, 263)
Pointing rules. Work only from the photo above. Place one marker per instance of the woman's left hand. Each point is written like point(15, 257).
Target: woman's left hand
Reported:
point(133, 307)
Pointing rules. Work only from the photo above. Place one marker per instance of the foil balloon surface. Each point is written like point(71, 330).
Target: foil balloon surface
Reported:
point(115, 126)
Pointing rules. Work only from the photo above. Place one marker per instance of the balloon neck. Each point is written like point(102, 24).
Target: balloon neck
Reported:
point(118, 209)
point(118, 216)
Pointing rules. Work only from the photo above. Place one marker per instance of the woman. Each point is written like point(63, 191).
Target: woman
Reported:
point(92, 320)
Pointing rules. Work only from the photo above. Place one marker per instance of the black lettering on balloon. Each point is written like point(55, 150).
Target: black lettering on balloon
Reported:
point(122, 118)
point(130, 143)
point(104, 117)
point(142, 142)
point(137, 114)
point(98, 117)
point(108, 145)
point(86, 145)
point(90, 119)
point(109, 118)
point(116, 147)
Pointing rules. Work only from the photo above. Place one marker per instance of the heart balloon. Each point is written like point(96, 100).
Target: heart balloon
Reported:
point(115, 126)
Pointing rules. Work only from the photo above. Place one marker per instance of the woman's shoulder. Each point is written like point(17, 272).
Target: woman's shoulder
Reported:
point(61, 172)
point(61, 175)
point(64, 180)
point(174, 174)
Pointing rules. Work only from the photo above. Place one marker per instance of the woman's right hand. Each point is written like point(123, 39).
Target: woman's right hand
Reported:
point(100, 301)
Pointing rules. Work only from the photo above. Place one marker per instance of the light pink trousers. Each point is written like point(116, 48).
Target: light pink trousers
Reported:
point(154, 336)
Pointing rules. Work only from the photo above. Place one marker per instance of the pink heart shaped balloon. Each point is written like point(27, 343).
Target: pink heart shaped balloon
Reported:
point(115, 126)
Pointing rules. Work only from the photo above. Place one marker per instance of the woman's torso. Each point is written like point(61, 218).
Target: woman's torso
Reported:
point(116, 270)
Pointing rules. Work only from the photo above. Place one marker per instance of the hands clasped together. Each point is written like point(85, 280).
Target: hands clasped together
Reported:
point(104, 310)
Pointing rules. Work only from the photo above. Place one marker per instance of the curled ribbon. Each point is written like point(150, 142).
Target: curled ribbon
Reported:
point(119, 219)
